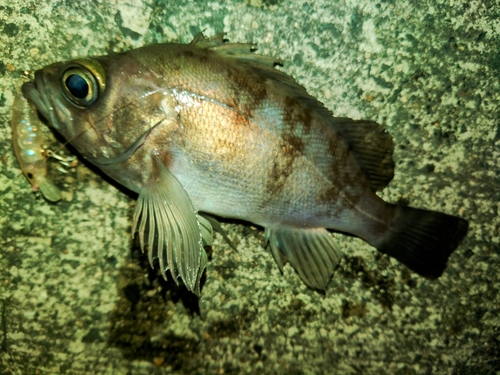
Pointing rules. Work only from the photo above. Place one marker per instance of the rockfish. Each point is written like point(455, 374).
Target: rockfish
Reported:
point(212, 127)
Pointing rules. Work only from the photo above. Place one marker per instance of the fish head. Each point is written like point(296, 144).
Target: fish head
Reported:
point(104, 106)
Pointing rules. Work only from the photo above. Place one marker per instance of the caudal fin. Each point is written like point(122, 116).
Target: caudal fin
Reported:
point(423, 240)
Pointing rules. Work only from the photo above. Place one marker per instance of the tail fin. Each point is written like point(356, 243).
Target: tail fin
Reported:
point(423, 240)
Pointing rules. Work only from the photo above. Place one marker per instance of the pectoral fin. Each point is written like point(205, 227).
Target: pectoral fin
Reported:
point(312, 252)
point(169, 225)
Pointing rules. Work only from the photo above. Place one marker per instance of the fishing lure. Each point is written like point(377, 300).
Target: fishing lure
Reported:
point(28, 141)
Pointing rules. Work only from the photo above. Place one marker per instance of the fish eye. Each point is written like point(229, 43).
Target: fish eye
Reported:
point(77, 86)
point(83, 81)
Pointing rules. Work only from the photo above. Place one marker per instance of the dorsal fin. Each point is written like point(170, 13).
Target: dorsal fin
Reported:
point(372, 147)
point(201, 41)
point(244, 52)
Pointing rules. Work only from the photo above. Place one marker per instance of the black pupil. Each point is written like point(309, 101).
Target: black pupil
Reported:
point(77, 86)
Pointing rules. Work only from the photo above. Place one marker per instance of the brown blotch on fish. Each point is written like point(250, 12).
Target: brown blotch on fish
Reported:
point(186, 53)
point(295, 113)
point(282, 168)
point(248, 91)
point(240, 119)
point(295, 141)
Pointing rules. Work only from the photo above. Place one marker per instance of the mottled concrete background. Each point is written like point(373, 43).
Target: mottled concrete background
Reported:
point(76, 299)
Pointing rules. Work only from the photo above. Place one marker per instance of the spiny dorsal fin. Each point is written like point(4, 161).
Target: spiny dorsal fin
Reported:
point(201, 41)
point(244, 52)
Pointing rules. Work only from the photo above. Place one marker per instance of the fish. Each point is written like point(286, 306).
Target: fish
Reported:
point(29, 141)
point(214, 128)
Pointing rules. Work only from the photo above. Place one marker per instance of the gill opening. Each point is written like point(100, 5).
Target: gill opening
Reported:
point(102, 161)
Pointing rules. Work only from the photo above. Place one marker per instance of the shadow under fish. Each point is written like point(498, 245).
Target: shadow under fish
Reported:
point(213, 127)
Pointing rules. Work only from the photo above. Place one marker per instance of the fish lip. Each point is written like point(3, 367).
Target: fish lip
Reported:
point(36, 92)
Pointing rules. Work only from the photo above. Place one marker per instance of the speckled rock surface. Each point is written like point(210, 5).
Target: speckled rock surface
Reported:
point(77, 298)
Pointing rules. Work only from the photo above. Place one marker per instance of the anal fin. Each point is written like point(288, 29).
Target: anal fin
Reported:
point(311, 252)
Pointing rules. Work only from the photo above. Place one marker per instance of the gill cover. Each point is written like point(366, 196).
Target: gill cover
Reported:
point(83, 81)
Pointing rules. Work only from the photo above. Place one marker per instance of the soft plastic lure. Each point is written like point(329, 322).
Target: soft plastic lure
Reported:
point(28, 141)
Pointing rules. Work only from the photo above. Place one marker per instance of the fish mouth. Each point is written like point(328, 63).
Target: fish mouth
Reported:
point(36, 93)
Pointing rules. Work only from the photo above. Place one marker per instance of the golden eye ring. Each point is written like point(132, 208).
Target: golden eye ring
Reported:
point(83, 81)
